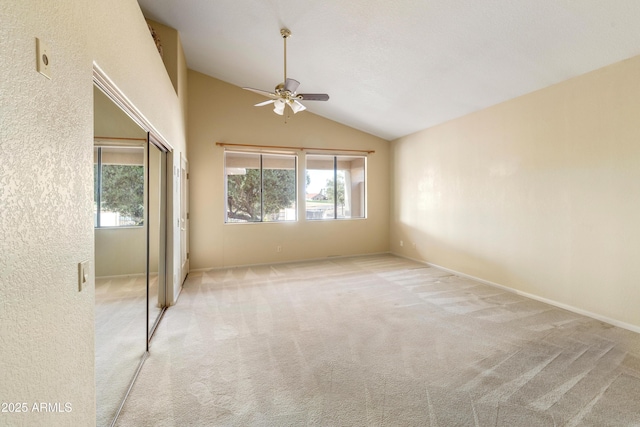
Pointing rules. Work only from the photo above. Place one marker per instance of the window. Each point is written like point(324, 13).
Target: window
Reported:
point(260, 187)
point(335, 187)
point(118, 186)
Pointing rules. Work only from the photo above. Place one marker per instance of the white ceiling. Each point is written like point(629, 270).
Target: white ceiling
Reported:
point(393, 67)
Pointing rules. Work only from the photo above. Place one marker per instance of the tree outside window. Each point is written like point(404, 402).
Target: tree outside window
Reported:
point(260, 187)
point(119, 186)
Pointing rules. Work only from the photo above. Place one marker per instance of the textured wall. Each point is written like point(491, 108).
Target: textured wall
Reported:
point(222, 112)
point(540, 193)
point(46, 189)
point(46, 186)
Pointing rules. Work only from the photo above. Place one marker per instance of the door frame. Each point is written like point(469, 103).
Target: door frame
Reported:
point(184, 218)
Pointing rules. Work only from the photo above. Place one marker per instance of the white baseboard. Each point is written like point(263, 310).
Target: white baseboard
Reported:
point(577, 310)
point(123, 276)
point(291, 261)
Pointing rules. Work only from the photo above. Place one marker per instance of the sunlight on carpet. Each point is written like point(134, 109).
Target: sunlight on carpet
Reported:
point(377, 341)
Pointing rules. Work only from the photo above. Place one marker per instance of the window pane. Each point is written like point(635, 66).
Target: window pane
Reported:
point(242, 171)
point(279, 188)
point(260, 187)
point(122, 196)
point(351, 187)
point(319, 190)
point(335, 187)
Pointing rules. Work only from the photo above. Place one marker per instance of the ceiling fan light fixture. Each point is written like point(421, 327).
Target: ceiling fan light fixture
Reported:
point(278, 106)
point(291, 85)
point(296, 106)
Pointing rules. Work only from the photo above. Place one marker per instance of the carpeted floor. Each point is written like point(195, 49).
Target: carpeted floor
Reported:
point(378, 341)
point(120, 342)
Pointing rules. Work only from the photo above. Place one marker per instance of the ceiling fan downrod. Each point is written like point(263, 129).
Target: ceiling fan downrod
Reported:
point(285, 33)
point(285, 93)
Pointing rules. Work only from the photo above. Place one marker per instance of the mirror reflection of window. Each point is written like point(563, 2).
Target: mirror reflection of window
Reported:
point(118, 186)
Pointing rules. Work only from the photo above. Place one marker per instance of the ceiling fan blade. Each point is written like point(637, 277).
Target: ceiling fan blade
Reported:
point(313, 96)
point(260, 104)
point(261, 92)
point(291, 85)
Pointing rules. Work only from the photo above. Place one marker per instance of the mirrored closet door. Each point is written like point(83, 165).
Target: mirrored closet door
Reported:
point(129, 262)
point(156, 235)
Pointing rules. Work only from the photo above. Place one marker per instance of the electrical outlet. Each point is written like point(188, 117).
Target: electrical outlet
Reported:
point(278, 248)
point(42, 58)
point(401, 243)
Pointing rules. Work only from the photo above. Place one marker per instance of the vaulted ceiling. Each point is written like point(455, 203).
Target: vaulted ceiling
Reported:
point(393, 67)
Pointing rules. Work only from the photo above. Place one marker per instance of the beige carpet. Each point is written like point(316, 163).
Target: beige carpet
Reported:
point(378, 341)
point(120, 340)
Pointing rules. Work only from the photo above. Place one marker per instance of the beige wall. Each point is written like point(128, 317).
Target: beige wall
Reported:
point(110, 122)
point(169, 41)
point(121, 251)
point(46, 188)
point(221, 112)
point(540, 194)
point(123, 48)
point(176, 66)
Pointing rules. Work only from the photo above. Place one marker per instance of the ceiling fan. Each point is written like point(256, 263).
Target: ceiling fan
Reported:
point(285, 93)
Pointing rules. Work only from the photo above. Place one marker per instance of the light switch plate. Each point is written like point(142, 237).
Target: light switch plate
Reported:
point(42, 58)
point(83, 274)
